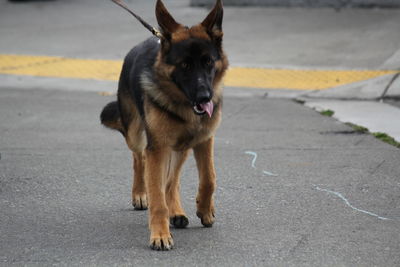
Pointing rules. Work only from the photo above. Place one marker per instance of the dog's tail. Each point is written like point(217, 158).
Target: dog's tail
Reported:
point(110, 117)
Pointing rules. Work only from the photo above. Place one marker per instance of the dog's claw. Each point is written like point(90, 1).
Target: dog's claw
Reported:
point(139, 202)
point(179, 221)
point(206, 220)
point(162, 243)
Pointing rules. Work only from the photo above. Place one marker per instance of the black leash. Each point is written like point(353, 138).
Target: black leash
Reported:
point(153, 30)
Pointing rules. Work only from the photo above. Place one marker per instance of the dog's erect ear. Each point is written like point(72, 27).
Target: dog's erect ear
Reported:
point(213, 21)
point(167, 23)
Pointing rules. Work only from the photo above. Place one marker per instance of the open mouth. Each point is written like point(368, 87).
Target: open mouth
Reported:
point(201, 109)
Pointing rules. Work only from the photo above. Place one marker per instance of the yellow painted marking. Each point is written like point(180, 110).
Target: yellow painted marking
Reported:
point(60, 67)
point(297, 79)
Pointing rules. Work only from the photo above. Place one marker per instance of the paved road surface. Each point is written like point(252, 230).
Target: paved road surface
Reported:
point(65, 189)
point(294, 188)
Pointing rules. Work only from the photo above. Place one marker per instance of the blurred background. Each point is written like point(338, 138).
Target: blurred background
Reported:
point(276, 34)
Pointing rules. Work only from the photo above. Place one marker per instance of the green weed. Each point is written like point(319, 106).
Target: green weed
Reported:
point(386, 138)
point(327, 112)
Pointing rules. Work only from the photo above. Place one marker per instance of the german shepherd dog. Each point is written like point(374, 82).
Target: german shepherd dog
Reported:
point(169, 102)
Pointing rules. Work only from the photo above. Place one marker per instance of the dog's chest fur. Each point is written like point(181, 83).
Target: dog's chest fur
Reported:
point(161, 129)
point(194, 134)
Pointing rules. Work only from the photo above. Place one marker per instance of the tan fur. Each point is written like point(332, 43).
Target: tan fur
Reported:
point(135, 136)
point(155, 171)
point(161, 144)
point(139, 197)
point(203, 153)
point(197, 31)
point(170, 142)
point(172, 139)
point(176, 161)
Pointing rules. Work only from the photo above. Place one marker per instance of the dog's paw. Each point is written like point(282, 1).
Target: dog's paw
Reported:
point(207, 219)
point(162, 243)
point(139, 201)
point(179, 221)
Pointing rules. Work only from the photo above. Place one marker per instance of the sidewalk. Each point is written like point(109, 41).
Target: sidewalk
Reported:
point(362, 104)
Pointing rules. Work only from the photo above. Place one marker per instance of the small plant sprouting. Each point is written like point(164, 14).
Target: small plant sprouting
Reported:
point(327, 113)
point(386, 138)
point(358, 128)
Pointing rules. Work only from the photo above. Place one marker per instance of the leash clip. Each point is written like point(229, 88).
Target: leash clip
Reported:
point(157, 33)
point(153, 30)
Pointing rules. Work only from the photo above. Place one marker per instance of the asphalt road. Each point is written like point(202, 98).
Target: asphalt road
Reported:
point(65, 189)
point(295, 188)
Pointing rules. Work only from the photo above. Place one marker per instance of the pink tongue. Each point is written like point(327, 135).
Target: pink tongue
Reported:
point(208, 107)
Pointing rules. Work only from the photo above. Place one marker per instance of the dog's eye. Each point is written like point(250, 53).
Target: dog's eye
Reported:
point(208, 61)
point(184, 65)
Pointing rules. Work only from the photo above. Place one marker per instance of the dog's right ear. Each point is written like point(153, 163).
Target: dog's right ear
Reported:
point(167, 23)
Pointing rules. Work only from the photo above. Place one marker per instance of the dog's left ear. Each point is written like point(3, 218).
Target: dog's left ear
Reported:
point(213, 21)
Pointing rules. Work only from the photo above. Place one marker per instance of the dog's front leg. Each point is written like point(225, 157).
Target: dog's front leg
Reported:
point(155, 178)
point(204, 154)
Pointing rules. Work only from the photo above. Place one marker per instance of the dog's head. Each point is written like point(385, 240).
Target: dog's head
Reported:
point(194, 56)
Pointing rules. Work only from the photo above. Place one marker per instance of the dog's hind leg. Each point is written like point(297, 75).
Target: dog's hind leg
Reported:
point(177, 215)
point(205, 165)
point(136, 141)
point(139, 198)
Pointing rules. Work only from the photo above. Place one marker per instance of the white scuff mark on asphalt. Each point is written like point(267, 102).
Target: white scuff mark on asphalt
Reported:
point(339, 195)
point(269, 173)
point(254, 154)
point(253, 162)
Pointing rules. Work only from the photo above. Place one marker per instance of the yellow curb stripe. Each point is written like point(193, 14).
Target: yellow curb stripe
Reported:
point(298, 79)
point(109, 70)
point(60, 67)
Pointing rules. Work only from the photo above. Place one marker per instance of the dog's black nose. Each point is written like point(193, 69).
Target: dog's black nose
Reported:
point(203, 95)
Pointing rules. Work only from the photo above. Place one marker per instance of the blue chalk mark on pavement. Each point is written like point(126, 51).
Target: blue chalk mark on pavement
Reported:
point(253, 163)
point(348, 203)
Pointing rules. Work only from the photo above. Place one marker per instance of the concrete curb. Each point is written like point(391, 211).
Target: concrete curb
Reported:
point(372, 89)
point(381, 117)
point(354, 103)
